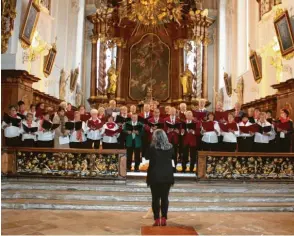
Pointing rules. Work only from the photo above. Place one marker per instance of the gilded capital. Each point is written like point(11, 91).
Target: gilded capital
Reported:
point(94, 38)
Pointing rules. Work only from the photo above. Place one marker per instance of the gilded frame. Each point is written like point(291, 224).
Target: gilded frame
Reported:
point(288, 35)
point(49, 61)
point(30, 23)
point(130, 66)
point(256, 67)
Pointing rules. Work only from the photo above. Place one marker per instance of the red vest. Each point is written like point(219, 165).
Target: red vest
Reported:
point(173, 137)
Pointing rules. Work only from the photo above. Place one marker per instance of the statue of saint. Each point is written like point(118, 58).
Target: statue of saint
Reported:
point(187, 80)
point(62, 85)
point(79, 95)
point(239, 90)
point(112, 74)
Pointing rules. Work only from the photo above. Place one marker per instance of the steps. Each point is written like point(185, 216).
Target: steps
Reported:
point(135, 196)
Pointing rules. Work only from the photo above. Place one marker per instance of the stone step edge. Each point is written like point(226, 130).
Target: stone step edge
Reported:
point(143, 189)
point(146, 198)
point(143, 208)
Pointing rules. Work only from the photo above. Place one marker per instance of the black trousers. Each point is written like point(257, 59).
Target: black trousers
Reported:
point(284, 144)
point(45, 144)
point(261, 147)
point(160, 194)
point(193, 154)
point(130, 151)
point(78, 145)
point(229, 147)
point(209, 146)
point(109, 145)
point(272, 147)
point(245, 144)
point(28, 143)
point(145, 144)
point(13, 142)
point(121, 141)
point(89, 143)
point(175, 157)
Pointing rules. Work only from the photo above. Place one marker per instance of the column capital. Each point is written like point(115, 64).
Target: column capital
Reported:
point(94, 38)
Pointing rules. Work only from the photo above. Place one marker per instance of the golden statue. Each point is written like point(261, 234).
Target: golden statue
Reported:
point(112, 74)
point(186, 80)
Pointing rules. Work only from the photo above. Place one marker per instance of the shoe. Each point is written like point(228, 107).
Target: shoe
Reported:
point(136, 170)
point(163, 221)
point(183, 171)
point(129, 169)
point(156, 222)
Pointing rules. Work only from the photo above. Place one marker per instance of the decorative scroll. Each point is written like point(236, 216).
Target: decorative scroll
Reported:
point(224, 167)
point(266, 6)
point(69, 164)
point(149, 68)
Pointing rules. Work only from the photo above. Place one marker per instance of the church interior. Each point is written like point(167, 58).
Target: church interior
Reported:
point(88, 87)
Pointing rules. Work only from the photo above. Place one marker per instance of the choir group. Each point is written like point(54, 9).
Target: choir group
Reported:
point(116, 128)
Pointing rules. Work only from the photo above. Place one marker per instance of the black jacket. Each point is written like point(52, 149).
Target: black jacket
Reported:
point(160, 170)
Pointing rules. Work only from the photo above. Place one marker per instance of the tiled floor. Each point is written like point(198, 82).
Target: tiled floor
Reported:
point(45, 222)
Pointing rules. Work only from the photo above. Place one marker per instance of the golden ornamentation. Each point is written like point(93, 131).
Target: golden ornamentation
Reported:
point(112, 75)
point(226, 167)
point(278, 13)
point(8, 15)
point(182, 43)
point(186, 79)
point(68, 164)
point(116, 42)
point(151, 12)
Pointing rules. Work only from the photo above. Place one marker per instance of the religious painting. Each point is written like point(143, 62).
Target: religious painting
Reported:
point(284, 33)
point(30, 23)
point(74, 74)
point(255, 66)
point(149, 68)
point(228, 84)
point(49, 61)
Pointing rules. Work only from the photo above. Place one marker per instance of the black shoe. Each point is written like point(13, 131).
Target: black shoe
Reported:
point(191, 171)
point(136, 170)
point(129, 169)
point(183, 171)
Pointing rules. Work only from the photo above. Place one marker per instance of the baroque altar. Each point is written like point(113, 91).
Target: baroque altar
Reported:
point(148, 56)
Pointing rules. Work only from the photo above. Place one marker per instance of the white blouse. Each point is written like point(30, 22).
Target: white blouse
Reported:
point(26, 135)
point(211, 137)
point(261, 138)
point(93, 134)
point(243, 134)
point(11, 131)
point(44, 135)
point(73, 136)
point(109, 139)
point(230, 137)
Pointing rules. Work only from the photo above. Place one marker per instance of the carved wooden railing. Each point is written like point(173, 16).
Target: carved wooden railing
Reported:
point(66, 163)
point(245, 166)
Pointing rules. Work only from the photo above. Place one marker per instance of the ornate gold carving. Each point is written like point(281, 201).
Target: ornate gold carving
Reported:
point(226, 167)
point(8, 15)
point(278, 13)
point(70, 164)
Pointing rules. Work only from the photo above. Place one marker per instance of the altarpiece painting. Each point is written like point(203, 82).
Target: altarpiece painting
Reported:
point(149, 68)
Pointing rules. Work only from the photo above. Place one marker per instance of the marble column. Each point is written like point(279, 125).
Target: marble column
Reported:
point(93, 89)
point(204, 93)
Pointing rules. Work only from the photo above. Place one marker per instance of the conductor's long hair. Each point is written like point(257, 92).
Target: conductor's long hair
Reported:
point(160, 140)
